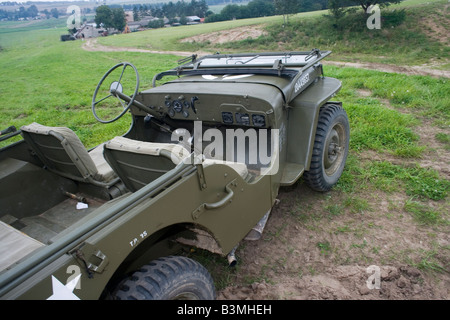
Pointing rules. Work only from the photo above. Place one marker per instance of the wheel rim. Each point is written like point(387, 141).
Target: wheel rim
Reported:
point(334, 149)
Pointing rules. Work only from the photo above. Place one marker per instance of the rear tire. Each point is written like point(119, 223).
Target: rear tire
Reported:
point(169, 278)
point(330, 148)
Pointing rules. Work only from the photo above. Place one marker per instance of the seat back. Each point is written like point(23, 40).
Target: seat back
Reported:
point(61, 151)
point(138, 163)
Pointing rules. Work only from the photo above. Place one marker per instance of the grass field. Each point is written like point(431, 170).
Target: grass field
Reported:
point(52, 82)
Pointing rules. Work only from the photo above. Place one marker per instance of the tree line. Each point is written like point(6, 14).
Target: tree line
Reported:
point(113, 16)
point(170, 9)
point(262, 8)
point(33, 12)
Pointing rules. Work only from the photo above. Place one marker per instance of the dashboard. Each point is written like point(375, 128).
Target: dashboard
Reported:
point(228, 110)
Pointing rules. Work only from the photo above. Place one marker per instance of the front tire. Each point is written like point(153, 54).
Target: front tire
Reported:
point(169, 278)
point(330, 148)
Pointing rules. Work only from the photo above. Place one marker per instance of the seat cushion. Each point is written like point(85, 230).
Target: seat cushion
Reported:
point(177, 152)
point(104, 171)
point(69, 141)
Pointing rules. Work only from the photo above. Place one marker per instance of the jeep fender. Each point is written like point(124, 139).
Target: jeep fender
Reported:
point(303, 114)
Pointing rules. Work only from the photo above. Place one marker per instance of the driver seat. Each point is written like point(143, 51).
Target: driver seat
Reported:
point(62, 152)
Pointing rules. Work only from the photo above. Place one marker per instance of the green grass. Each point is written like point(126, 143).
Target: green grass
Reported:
point(52, 82)
point(425, 215)
point(444, 139)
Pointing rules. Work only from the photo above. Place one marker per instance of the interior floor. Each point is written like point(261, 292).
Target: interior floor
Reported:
point(45, 226)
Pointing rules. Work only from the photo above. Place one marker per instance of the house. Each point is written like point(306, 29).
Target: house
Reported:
point(139, 25)
point(193, 20)
point(90, 30)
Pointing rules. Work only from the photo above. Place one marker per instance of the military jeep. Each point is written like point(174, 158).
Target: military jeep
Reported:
point(200, 166)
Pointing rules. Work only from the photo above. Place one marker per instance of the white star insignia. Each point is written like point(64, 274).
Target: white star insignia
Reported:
point(64, 292)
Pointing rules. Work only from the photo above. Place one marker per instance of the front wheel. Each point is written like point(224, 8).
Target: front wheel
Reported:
point(330, 148)
point(169, 278)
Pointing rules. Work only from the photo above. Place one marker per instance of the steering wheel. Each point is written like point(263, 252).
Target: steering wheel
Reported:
point(116, 91)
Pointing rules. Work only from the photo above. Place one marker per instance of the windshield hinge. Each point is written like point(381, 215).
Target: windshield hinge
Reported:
point(278, 65)
point(92, 258)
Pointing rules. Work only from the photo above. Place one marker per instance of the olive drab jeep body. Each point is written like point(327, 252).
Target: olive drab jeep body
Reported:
point(201, 165)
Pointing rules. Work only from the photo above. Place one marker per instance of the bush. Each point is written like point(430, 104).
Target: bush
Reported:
point(156, 24)
point(393, 18)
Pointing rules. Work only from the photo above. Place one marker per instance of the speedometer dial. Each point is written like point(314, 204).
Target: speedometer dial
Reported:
point(177, 106)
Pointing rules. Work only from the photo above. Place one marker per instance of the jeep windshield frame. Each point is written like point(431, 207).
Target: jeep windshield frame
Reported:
point(291, 64)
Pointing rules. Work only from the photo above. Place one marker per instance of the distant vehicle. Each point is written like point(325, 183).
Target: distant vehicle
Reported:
point(67, 37)
point(201, 165)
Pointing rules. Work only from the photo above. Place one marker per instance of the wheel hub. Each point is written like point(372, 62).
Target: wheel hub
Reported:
point(334, 149)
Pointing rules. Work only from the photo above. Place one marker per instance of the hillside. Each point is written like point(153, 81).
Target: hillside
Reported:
point(411, 35)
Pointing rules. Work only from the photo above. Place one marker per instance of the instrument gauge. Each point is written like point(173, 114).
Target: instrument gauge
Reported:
point(177, 105)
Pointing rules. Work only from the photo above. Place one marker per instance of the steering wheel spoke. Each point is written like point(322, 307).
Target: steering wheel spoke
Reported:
point(96, 102)
point(123, 70)
point(121, 102)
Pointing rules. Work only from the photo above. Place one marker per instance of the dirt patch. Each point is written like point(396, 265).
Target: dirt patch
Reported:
point(436, 156)
point(308, 252)
point(230, 35)
point(345, 282)
point(409, 70)
point(436, 27)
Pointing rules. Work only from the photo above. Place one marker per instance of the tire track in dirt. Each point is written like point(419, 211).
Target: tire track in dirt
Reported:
point(408, 70)
point(93, 45)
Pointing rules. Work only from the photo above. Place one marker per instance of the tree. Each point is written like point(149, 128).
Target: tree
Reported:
point(54, 13)
point(365, 4)
point(47, 13)
point(135, 14)
point(200, 8)
point(118, 19)
point(110, 18)
point(261, 8)
point(338, 5)
point(103, 16)
point(336, 9)
point(33, 11)
point(286, 8)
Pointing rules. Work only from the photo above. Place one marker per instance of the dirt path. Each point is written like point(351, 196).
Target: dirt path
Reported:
point(409, 70)
point(93, 45)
